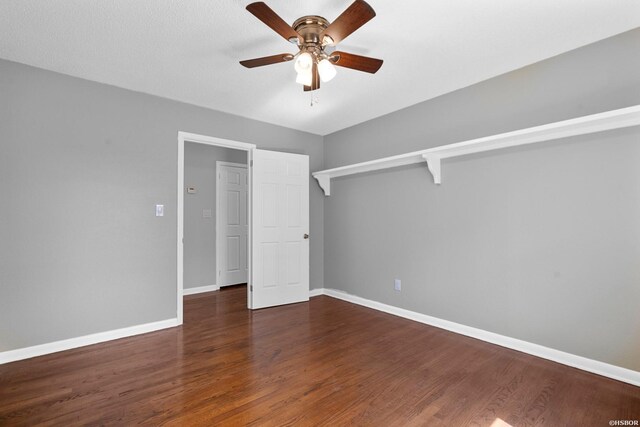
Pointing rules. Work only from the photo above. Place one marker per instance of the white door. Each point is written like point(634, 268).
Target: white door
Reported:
point(280, 241)
point(232, 223)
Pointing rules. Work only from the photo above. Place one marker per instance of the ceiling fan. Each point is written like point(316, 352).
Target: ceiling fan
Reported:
point(312, 34)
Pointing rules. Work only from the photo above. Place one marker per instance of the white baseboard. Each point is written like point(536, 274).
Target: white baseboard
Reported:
point(589, 365)
point(200, 289)
point(68, 344)
point(316, 292)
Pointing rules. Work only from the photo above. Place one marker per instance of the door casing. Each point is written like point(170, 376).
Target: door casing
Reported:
point(207, 140)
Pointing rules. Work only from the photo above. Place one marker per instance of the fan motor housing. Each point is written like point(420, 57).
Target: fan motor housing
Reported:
point(310, 27)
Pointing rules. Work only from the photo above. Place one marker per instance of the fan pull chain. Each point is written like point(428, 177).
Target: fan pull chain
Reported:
point(313, 100)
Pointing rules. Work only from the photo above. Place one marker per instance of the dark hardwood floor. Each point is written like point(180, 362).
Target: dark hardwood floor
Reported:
point(326, 362)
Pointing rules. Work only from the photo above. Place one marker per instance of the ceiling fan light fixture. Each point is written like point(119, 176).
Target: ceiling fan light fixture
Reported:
point(315, 62)
point(304, 63)
point(304, 77)
point(326, 70)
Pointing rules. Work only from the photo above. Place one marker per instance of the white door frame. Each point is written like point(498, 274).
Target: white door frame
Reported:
point(207, 140)
point(219, 245)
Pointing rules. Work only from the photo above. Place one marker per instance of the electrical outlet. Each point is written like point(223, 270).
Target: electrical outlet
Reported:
point(397, 285)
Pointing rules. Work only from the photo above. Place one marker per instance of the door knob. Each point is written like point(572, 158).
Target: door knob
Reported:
point(306, 236)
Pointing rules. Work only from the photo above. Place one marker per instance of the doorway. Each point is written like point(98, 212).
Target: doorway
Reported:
point(277, 223)
point(184, 137)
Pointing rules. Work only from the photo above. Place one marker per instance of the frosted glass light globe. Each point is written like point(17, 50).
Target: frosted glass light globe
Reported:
point(304, 62)
point(304, 77)
point(327, 70)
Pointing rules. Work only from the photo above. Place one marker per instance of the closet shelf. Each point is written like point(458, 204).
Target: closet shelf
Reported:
point(609, 120)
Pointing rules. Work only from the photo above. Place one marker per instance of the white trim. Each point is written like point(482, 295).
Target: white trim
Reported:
point(212, 140)
point(316, 292)
point(579, 362)
point(250, 219)
point(200, 289)
point(231, 164)
point(219, 246)
point(180, 239)
point(609, 120)
point(207, 140)
point(68, 344)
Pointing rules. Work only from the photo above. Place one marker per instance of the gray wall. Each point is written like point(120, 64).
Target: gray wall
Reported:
point(200, 232)
point(539, 243)
point(81, 167)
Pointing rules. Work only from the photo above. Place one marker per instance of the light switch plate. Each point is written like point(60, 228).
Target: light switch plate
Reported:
point(159, 210)
point(206, 213)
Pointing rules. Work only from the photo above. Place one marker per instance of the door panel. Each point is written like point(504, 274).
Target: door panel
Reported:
point(233, 253)
point(233, 207)
point(280, 254)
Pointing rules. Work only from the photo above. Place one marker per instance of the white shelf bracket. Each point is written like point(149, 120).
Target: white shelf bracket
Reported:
point(325, 183)
point(433, 163)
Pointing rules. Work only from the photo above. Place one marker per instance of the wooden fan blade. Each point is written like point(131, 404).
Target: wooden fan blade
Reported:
point(315, 79)
point(356, 62)
point(356, 15)
point(267, 60)
point(264, 13)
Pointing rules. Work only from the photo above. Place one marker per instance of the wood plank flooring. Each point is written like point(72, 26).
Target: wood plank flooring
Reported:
point(326, 362)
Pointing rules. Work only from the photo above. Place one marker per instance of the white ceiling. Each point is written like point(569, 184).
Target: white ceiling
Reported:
point(189, 50)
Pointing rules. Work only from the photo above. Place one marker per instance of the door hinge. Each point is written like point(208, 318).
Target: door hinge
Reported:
point(251, 288)
point(251, 163)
